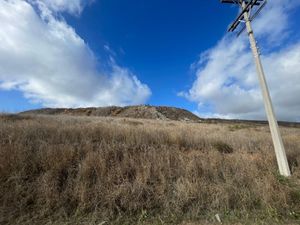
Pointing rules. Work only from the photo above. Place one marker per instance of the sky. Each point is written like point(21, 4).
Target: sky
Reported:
point(83, 53)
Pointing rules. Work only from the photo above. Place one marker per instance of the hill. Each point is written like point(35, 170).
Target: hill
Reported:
point(140, 112)
point(146, 112)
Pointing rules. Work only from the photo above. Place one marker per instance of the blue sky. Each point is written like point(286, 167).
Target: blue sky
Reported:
point(156, 52)
point(157, 40)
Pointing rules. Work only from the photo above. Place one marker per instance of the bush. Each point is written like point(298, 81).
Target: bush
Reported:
point(223, 147)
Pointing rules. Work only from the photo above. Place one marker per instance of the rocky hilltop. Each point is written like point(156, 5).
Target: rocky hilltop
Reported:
point(141, 111)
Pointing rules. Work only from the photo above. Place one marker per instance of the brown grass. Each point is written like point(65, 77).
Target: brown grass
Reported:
point(125, 171)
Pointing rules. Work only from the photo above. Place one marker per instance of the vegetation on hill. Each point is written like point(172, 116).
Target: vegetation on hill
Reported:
point(94, 170)
point(140, 111)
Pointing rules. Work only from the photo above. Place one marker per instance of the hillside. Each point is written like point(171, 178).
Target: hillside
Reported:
point(103, 170)
point(146, 112)
point(141, 112)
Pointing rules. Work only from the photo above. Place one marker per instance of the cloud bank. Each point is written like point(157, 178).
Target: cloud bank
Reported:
point(226, 80)
point(43, 57)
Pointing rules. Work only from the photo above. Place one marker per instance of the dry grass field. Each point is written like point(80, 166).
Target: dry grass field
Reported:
point(92, 170)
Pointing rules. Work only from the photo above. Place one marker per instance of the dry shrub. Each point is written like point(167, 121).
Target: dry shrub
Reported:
point(68, 166)
point(223, 147)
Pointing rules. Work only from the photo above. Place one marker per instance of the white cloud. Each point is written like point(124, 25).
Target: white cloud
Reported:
point(74, 7)
point(226, 79)
point(44, 58)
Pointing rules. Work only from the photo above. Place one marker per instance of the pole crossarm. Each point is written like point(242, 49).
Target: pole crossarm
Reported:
point(240, 2)
point(249, 5)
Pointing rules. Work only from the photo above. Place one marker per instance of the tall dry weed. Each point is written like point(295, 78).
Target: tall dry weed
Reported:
point(113, 167)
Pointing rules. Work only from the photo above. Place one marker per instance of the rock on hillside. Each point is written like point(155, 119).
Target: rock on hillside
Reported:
point(142, 111)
